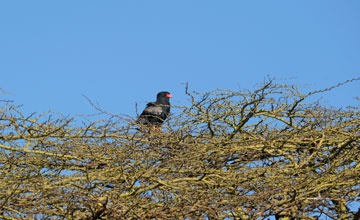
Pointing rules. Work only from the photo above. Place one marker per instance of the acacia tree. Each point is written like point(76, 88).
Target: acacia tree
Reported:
point(226, 155)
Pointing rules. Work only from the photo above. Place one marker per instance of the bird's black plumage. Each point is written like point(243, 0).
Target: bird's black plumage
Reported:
point(155, 113)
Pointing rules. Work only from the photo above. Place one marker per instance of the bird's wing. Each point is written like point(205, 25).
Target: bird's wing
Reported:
point(151, 114)
point(152, 110)
point(150, 104)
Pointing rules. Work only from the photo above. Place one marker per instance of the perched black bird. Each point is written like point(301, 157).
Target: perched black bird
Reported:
point(155, 113)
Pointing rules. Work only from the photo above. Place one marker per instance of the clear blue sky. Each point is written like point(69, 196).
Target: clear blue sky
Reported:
point(121, 52)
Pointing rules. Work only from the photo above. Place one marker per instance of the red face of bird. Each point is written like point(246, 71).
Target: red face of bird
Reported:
point(163, 95)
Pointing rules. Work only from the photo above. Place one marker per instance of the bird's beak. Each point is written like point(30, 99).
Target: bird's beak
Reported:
point(168, 95)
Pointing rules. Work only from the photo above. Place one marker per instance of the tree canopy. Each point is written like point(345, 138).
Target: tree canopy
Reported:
point(249, 154)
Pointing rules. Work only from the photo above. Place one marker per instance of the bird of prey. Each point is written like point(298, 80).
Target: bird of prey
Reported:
point(156, 112)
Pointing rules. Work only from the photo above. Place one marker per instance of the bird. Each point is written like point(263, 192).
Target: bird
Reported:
point(156, 112)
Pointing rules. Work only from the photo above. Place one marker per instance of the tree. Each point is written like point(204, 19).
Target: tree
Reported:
point(227, 155)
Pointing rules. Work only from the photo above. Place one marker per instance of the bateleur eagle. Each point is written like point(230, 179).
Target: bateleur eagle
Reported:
point(155, 113)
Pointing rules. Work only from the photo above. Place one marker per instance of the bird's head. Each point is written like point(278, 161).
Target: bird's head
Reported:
point(163, 94)
point(163, 98)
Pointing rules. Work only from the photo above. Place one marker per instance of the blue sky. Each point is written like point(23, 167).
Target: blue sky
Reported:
point(122, 52)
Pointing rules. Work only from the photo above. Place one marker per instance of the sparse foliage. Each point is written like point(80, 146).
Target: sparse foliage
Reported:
point(227, 155)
